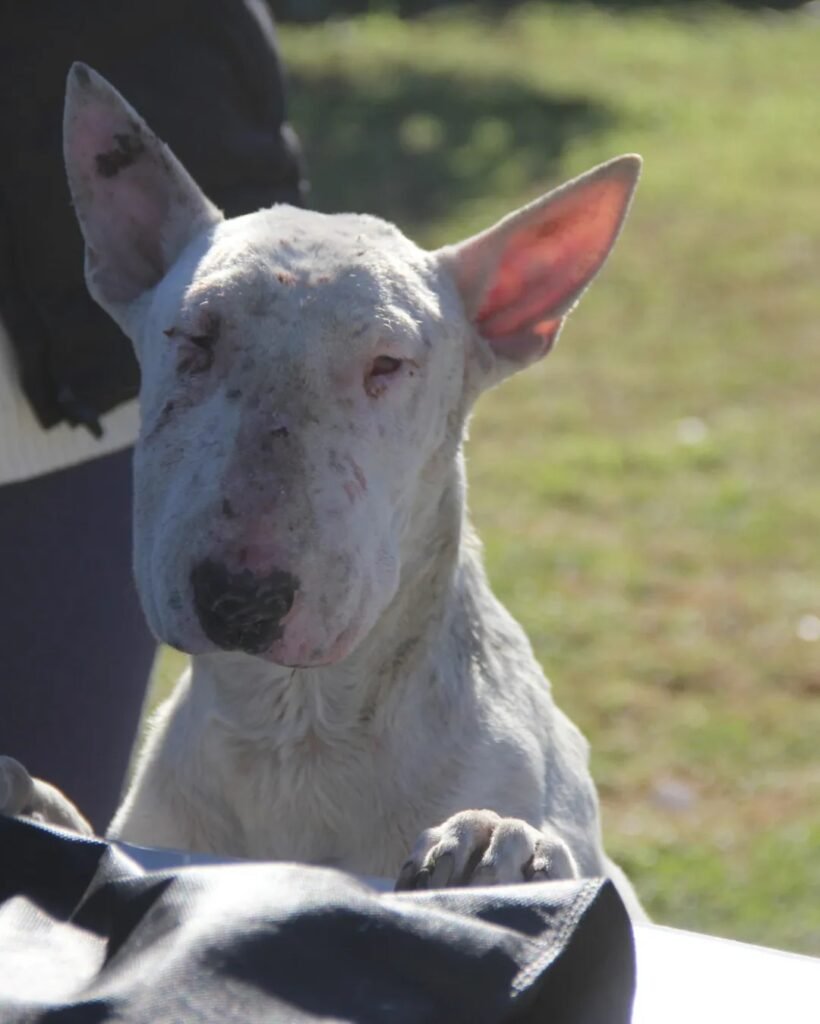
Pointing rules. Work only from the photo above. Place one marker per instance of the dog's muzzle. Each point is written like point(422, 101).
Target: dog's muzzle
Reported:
point(241, 611)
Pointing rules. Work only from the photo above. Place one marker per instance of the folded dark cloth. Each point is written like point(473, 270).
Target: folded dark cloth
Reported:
point(206, 76)
point(86, 936)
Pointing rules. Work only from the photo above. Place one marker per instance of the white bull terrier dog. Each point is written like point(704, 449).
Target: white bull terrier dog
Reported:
point(357, 695)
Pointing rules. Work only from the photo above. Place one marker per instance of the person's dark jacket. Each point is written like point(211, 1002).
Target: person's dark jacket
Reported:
point(205, 75)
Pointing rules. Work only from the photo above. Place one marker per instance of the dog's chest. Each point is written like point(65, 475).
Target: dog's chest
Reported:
point(319, 798)
point(344, 771)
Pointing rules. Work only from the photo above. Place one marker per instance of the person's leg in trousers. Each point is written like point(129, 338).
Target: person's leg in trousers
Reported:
point(75, 652)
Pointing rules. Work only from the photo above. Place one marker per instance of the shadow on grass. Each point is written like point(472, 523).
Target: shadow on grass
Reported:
point(318, 10)
point(410, 146)
point(675, 7)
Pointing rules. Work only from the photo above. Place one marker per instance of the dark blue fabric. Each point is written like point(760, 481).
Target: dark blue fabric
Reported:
point(86, 937)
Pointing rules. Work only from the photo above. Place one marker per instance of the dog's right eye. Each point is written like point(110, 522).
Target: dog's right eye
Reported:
point(382, 368)
point(384, 365)
point(195, 351)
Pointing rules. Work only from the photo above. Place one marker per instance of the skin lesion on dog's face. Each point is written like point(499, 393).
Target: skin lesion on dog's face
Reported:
point(291, 416)
point(128, 148)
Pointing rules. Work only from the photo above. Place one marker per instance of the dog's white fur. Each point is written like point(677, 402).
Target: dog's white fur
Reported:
point(399, 699)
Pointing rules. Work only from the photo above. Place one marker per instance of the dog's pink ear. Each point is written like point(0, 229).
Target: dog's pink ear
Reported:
point(137, 205)
point(520, 278)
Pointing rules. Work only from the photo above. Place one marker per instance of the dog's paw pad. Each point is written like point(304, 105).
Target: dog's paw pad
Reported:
point(482, 848)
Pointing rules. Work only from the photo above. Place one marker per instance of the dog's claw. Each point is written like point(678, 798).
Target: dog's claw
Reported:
point(442, 871)
point(422, 879)
point(406, 876)
point(435, 873)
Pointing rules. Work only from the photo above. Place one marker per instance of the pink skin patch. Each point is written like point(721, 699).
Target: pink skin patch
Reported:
point(260, 559)
point(298, 646)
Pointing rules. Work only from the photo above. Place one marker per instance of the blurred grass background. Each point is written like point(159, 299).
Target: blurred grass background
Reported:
point(649, 496)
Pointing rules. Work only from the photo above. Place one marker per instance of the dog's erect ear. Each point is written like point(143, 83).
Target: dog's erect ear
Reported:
point(520, 278)
point(137, 205)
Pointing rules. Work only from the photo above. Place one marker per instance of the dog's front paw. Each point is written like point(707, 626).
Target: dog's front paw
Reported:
point(482, 848)
point(33, 798)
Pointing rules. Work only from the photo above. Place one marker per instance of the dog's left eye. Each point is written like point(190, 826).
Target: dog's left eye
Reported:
point(381, 368)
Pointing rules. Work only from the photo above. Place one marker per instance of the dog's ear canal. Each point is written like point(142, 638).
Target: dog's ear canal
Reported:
point(137, 205)
point(520, 278)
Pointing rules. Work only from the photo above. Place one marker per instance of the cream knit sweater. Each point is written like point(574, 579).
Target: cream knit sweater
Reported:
point(26, 450)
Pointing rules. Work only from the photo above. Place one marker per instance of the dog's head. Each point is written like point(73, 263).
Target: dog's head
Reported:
point(305, 378)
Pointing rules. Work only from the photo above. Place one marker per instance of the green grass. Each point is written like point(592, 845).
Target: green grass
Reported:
point(649, 497)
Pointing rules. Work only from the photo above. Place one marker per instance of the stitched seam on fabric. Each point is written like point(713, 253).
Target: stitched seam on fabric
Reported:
point(536, 966)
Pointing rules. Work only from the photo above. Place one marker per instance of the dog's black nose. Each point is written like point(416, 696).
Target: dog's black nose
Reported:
point(241, 611)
